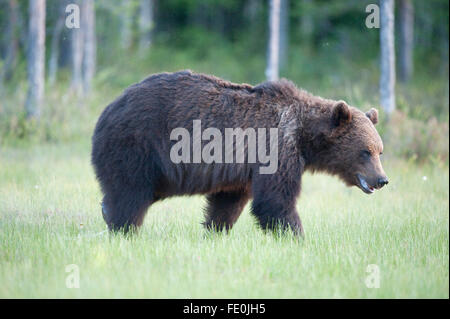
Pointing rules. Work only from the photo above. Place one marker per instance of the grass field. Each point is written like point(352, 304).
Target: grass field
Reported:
point(50, 218)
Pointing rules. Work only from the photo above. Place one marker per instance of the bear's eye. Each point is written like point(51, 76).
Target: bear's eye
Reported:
point(366, 154)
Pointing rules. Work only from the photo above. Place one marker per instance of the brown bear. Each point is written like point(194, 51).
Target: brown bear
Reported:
point(136, 155)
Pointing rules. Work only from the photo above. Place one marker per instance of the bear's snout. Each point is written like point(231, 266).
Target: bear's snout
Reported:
point(382, 181)
point(368, 185)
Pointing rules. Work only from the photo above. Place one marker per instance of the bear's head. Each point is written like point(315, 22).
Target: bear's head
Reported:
point(353, 148)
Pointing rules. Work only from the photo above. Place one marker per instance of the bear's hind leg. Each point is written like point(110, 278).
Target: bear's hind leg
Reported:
point(126, 211)
point(224, 208)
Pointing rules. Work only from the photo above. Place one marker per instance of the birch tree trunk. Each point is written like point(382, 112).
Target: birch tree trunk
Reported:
point(145, 25)
point(36, 58)
point(54, 47)
point(12, 41)
point(90, 46)
point(77, 42)
point(387, 56)
point(274, 41)
point(406, 40)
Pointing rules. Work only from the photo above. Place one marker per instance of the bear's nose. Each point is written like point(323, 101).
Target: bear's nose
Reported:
point(382, 181)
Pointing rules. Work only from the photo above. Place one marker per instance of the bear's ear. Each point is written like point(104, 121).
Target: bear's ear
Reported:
point(372, 114)
point(341, 113)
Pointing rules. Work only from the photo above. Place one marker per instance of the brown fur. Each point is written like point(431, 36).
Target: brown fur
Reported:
point(131, 147)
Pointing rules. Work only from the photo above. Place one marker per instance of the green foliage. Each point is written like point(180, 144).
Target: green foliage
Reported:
point(423, 103)
point(64, 118)
point(339, 60)
point(417, 139)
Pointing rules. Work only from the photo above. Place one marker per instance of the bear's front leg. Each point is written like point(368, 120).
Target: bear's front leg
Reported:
point(274, 200)
point(224, 209)
point(273, 215)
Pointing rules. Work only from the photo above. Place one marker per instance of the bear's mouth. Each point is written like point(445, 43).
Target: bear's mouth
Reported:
point(363, 185)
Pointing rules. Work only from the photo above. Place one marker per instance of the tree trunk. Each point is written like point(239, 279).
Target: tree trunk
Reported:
point(284, 33)
point(252, 11)
point(387, 56)
point(274, 41)
point(65, 49)
point(90, 46)
point(12, 42)
point(36, 58)
point(126, 22)
point(145, 25)
point(54, 48)
point(306, 22)
point(77, 55)
point(406, 40)
point(443, 48)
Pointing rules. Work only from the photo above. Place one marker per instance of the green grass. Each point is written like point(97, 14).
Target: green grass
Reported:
point(50, 218)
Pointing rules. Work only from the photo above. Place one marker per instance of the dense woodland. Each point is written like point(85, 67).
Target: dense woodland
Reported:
point(54, 79)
